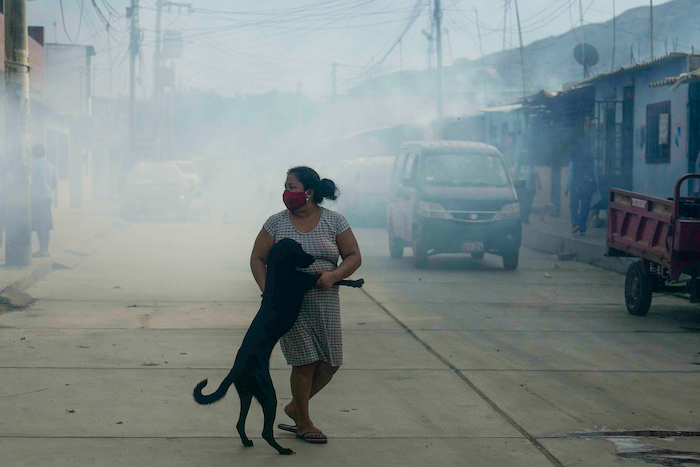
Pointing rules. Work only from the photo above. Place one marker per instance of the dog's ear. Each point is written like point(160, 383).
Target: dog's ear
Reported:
point(301, 258)
point(287, 250)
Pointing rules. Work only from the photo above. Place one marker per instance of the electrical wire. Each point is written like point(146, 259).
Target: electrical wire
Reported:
point(80, 23)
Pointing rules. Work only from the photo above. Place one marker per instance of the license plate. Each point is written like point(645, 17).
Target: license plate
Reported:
point(471, 247)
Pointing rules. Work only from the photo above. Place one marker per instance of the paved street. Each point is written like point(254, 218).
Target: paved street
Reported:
point(459, 364)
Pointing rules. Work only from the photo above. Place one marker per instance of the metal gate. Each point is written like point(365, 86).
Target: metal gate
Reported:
point(611, 135)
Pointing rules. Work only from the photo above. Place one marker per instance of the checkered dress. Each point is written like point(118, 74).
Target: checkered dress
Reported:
point(316, 335)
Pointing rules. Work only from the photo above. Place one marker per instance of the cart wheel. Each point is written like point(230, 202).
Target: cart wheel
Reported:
point(637, 290)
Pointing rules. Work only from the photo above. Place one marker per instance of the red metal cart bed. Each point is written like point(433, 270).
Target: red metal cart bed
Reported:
point(664, 235)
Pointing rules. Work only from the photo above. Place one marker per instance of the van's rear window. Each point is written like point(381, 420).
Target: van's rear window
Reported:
point(464, 170)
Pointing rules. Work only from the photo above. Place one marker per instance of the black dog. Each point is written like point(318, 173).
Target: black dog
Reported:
point(284, 289)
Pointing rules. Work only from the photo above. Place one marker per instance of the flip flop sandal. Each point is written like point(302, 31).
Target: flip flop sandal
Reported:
point(289, 428)
point(305, 437)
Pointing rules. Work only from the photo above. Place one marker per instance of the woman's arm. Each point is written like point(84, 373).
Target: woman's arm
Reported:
point(352, 259)
point(258, 258)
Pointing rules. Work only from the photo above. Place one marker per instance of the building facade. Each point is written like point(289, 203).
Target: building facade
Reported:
point(643, 136)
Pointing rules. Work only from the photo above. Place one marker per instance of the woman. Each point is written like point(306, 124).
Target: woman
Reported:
point(314, 346)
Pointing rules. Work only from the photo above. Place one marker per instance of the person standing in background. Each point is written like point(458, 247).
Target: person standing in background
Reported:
point(582, 182)
point(44, 182)
point(526, 170)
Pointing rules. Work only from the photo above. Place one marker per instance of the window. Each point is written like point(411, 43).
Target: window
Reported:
point(398, 168)
point(409, 170)
point(465, 170)
point(658, 132)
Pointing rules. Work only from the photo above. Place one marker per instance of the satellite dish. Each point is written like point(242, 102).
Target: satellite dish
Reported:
point(586, 54)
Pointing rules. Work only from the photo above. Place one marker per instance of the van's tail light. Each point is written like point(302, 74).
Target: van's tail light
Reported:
point(433, 211)
point(509, 211)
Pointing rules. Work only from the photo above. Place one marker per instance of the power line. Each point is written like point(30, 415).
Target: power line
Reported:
point(573, 27)
point(80, 23)
point(415, 14)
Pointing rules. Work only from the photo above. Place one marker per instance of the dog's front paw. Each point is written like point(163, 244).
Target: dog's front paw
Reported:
point(286, 452)
point(247, 443)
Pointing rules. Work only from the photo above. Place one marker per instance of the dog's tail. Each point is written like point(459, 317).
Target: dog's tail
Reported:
point(216, 395)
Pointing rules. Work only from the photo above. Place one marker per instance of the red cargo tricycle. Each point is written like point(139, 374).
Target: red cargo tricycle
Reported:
point(664, 235)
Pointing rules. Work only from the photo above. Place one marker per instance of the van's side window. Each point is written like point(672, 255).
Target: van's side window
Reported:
point(411, 165)
point(398, 168)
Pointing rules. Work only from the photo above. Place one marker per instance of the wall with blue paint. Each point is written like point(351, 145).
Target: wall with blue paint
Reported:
point(655, 179)
point(659, 179)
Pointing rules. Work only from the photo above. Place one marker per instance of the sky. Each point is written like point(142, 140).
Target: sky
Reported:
point(236, 47)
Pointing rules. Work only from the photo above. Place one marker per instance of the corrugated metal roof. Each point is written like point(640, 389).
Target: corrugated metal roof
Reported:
point(664, 82)
point(447, 144)
point(680, 79)
point(632, 67)
point(503, 108)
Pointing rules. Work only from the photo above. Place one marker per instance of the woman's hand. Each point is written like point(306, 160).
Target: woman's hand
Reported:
point(326, 280)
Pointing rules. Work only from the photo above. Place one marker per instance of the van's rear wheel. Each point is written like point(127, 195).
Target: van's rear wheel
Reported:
point(420, 252)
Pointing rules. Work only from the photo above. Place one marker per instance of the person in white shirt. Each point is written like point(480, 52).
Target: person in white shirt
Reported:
point(44, 182)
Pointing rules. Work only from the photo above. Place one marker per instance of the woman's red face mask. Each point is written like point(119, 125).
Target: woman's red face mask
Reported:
point(294, 199)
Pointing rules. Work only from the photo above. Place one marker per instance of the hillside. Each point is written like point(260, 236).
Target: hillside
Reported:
point(549, 63)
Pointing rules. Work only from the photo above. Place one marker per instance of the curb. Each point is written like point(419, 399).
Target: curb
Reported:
point(585, 251)
point(13, 297)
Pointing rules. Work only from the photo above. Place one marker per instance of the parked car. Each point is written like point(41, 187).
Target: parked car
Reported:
point(452, 197)
point(364, 189)
point(191, 176)
point(155, 189)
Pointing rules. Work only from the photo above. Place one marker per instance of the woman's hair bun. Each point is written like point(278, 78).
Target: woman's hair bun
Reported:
point(329, 190)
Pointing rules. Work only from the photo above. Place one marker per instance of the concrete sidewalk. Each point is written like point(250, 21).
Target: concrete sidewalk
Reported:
point(553, 235)
point(75, 236)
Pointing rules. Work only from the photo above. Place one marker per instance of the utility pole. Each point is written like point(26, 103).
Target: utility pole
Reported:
point(401, 96)
point(522, 52)
point(171, 126)
point(157, 88)
point(133, 52)
point(159, 77)
point(481, 51)
point(438, 50)
point(16, 174)
point(505, 16)
point(651, 17)
point(612, 66)
point(583, 32)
